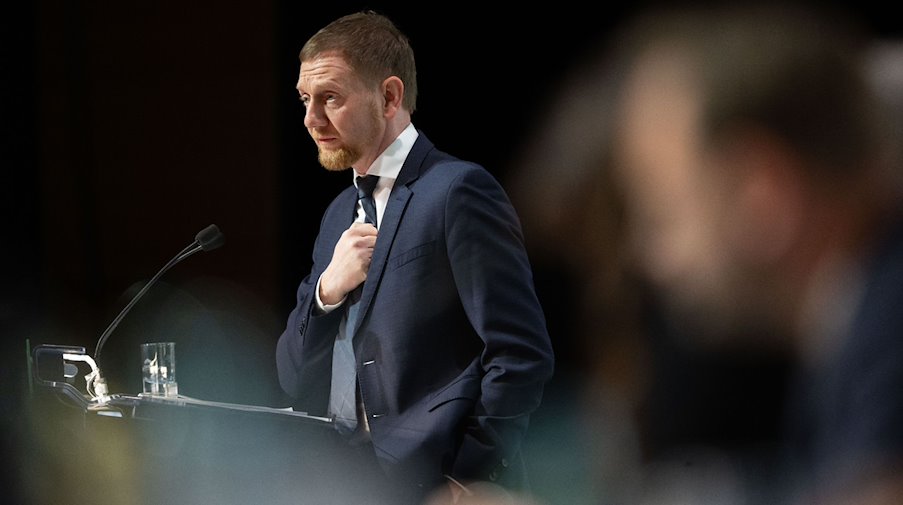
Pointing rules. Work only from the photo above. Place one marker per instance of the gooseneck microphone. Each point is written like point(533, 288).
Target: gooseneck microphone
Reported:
point(207, 239)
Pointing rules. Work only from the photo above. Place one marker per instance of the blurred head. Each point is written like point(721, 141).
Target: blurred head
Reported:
point(744, 144)
point(358, 84)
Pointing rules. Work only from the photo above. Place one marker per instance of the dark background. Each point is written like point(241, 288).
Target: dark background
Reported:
point(129, 126)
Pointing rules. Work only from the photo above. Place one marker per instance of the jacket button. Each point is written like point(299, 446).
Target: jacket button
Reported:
point(493, 476)
point(504, 463)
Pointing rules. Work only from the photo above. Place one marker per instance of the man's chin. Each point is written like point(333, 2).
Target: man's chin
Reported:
point(334, 168)
point(335, 160)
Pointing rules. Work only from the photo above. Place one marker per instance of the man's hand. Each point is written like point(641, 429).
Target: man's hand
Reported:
point(349, 264)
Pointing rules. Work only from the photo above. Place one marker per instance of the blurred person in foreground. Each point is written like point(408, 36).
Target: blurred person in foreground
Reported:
point(760, 196)
point(429, 280)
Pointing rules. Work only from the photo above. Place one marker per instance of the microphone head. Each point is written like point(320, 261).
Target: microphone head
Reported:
point(210, 238)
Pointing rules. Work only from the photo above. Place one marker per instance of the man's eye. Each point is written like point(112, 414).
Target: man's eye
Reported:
point(304, 101)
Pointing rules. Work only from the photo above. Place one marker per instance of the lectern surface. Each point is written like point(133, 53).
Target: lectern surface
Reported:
point(146, 450)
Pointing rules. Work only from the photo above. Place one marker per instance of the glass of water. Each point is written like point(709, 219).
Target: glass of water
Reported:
point(158, 369)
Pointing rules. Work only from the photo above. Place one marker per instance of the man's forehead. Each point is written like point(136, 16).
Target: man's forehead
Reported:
point(329, 70)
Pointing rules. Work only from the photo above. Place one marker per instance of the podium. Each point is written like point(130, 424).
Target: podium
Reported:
point(135, 449)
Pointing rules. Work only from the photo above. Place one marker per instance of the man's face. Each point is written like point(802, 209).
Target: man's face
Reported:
point(343, 116)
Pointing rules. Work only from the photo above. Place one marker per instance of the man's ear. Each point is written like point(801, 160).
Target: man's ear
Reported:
point(770, 195)
point(393, 92)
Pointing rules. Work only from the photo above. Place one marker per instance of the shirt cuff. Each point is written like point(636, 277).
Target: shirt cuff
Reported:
point(322, 307)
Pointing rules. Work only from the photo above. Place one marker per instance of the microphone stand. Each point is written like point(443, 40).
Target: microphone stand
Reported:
point(207, 239)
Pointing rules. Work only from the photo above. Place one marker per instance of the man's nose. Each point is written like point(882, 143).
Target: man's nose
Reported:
point(314, 116)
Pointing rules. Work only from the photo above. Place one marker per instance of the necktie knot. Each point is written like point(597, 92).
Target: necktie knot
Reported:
point(365, 186)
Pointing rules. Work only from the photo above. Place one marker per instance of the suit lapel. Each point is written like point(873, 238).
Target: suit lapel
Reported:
point(395, 209)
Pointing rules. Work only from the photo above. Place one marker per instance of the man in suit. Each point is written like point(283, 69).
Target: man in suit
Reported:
point(418, 328)
point(752, 153)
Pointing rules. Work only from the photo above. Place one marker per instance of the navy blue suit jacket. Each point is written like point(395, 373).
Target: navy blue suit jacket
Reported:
point(451, 343)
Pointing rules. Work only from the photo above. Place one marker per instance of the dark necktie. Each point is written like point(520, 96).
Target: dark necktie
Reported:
point(365, 187)
point(343, 401)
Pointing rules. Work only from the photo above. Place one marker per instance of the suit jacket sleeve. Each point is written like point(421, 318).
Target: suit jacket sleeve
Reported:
point(495, 284)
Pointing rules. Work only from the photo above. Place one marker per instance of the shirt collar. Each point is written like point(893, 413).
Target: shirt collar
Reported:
point(388, 163)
